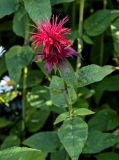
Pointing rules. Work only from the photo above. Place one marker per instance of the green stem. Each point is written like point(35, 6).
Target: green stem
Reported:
point(70, 105)
point(80, 29)
point(81, 13)
point(102, 38)
point(73, 15)
point(25, 72)
point(67, 97)
point(101, 50)
point(104, 3)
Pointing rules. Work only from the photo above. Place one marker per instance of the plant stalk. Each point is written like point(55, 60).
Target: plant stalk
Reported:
point(25, 73)
point(102, 39)
point(80, 30)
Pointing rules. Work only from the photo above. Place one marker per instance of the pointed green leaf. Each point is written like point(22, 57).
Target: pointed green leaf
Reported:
point(83, 112)
point(104, 120)
point(61, 117)
point(98, 141)
point(45, 141)
point(93, 73)
point(98, 22)
point(73, 134)
point(10, 141)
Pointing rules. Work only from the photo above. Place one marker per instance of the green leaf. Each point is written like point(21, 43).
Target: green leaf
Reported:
point(57, 91)
point(4, 123)
point(3, 68)
point(41, 64)
point(16, 59)
point(115, 35)
point(77, 112)
point(68, 74)
point(53, 2)
point(7, 7)
point(87, 39)
point(83, 112)
point(36, 119)
point(19, 22)
point(104, 120)
point(21, 153)
point(34, 78)
point(10, 141)
point(59, 155)
point(93, 73)
point(38, 9)
point(108, 84)
point(98, 141)
point(73, 134)
point(98, 22)
point(61, 117)
point(38, 96)
point(45, 141)
point(73, 35)
point(108, 156)
point(81, 103)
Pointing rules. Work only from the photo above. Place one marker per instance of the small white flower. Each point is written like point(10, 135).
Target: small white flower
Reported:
point(2, 50)
point(6, 84)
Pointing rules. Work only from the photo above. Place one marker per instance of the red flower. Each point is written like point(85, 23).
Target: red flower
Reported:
point(55, 45)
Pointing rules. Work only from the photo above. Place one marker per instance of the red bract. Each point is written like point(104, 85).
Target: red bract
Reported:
point(55, 45)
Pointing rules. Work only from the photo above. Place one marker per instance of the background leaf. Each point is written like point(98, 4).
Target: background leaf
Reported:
point(21, 153)
point(108, 156)
point(92, 73)
point(45, 141)
point(16, 59)
point(98, 141)
point(38, 9)
point(99, 21)
point(19, 22)
point(7, 7)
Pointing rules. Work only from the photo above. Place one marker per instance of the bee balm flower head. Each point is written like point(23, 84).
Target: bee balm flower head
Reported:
point(56, 47)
